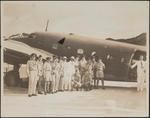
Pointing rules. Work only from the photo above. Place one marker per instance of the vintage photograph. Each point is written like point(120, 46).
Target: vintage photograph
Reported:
point(75, 59)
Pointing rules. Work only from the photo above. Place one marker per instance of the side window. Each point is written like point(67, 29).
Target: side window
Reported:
point(80, 51)
point(55, 46)
point(109, 57)
point(122, 60)
point(68, 47)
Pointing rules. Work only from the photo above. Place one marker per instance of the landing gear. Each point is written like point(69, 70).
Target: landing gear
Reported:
point(12, 77)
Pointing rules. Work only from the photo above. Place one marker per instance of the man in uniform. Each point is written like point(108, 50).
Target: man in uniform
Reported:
point(66, 71)
point(94, 70)
point(47, 75)
point(57, 74)
point(140, 73)
point(88, 75)
point(77, 62)
point(61, 74)
point(40, 74)
point(100, 66)
point(32, 73)
point(76, 81)
point(72, 71)
point(53, 75)
point(82, 65)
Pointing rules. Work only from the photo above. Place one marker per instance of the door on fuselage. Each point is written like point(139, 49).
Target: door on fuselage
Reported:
point(116, 61)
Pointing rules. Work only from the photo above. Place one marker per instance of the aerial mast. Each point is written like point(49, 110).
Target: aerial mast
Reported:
point(47, 25)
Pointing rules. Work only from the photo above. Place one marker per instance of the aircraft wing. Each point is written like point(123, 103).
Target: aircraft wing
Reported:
point(18, 53)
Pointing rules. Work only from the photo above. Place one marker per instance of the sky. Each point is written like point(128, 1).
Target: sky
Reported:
point(95, 19)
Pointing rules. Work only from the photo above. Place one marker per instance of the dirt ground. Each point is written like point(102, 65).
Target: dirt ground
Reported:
point(97, 102)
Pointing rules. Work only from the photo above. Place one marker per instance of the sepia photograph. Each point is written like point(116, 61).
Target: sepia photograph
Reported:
point(74, 58)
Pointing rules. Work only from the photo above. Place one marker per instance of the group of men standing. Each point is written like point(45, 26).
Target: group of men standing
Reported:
point(66, 74)
point(63, 74)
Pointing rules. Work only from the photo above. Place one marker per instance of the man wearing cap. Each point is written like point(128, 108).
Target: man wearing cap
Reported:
point(72, 71)
point(61, 74)
point(40, 74)
point(57, 74)
point(66, 71)
point(76, 81)
point(82, 65)
point(100, 66)
point(88, 75)
point(53, 75)
point(94, 70)
point(76, 62)
point(32, 73)
point(47, 75)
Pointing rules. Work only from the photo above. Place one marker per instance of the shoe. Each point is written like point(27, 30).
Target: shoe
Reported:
point(34, 94)
point(103, 87)
point(40, 92)
point(29, 95)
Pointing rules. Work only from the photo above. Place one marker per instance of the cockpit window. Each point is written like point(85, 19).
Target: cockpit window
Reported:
point(122, 60)
point(68, 47)
point(32, 36)
point(62, 41)
point(80, 51)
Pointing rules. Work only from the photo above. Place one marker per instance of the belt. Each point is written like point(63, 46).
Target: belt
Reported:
point(33, 70)
point(99, 69)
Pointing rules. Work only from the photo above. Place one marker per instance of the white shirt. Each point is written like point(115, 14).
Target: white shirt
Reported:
point(40, 67)
point(140, 67)
point(47, 67)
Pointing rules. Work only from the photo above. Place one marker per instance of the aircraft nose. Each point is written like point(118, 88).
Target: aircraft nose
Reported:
point(26, 35)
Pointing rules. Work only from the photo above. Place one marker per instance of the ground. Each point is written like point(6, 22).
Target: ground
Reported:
point(98, 102)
